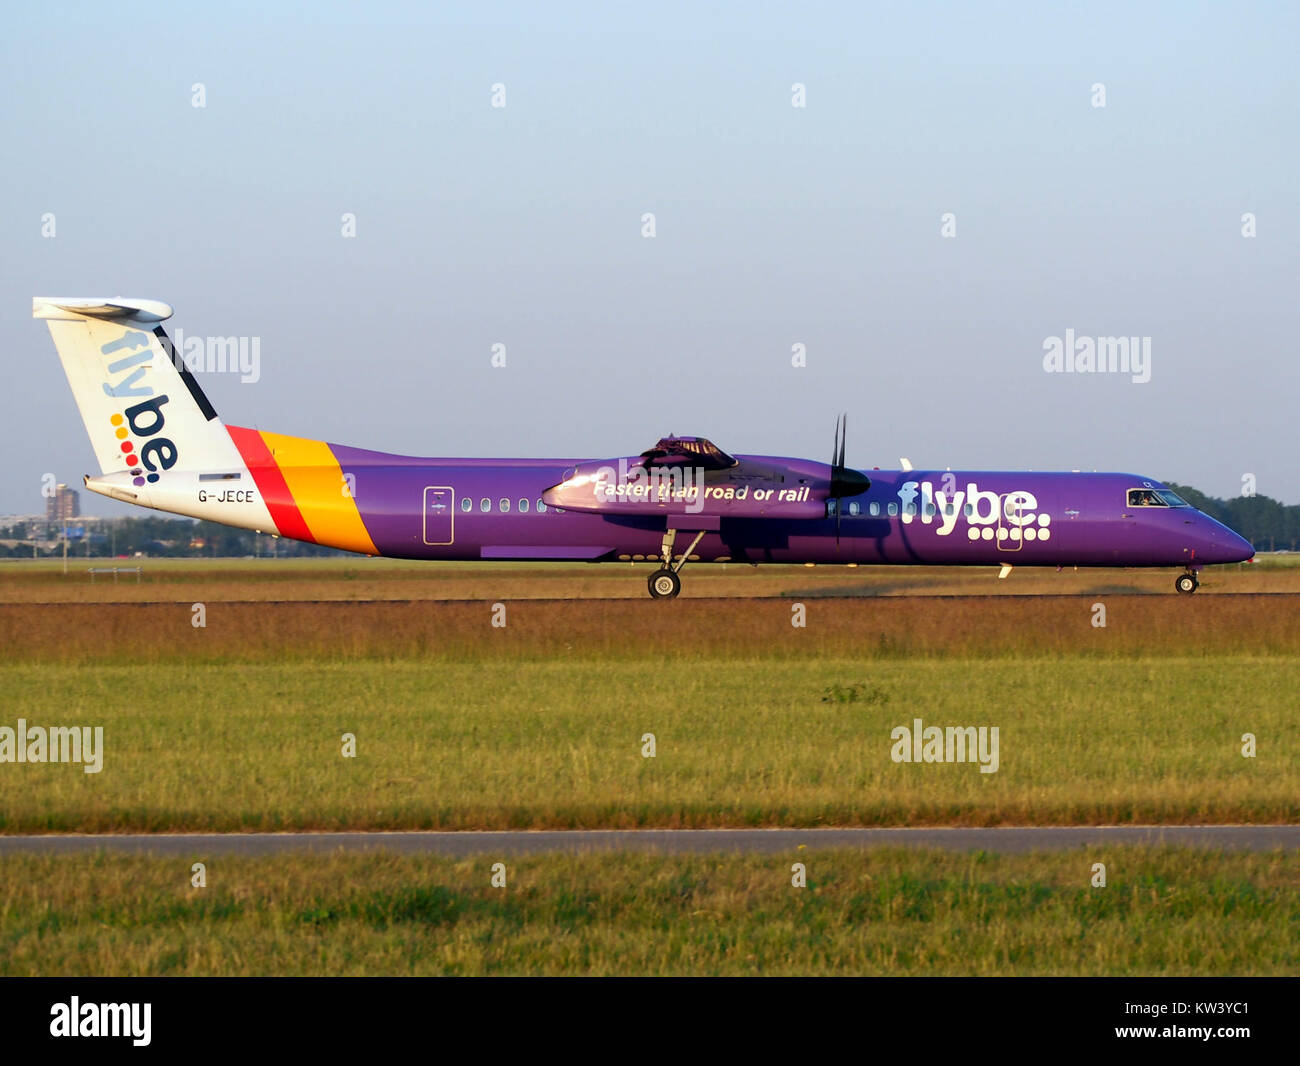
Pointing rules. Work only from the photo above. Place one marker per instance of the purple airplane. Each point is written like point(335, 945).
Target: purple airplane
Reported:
point(160, 444)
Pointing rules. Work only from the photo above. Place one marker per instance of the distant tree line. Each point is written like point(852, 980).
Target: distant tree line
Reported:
point(1268, 524)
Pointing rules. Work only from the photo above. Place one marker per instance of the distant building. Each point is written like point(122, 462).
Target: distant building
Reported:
point(65, 504)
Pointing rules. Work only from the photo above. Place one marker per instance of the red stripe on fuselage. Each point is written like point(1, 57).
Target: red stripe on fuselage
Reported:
point(270, 482)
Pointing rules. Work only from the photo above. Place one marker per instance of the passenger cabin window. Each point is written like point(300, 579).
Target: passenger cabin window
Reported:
point(893, 510)
point(503, 505)
point(466, 503)
point(854, 508)
point(968, 510)
point(485, 505)
point(874, 508)
point(523, 506)
point(541, 507)
point(830, 506)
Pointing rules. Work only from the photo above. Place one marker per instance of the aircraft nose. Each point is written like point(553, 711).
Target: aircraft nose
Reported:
point(1239, 549)
point(1221, 545)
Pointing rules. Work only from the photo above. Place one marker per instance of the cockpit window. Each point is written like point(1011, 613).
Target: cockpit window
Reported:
point(1145, 498)
point(1172, 498)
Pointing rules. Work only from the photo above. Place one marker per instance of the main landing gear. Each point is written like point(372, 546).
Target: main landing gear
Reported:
point(1187, 582)
point(664, 583)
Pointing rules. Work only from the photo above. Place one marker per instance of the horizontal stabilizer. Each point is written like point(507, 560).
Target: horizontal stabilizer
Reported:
point(65, 309)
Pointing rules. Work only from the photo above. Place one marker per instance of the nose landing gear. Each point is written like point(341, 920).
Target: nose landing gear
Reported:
point(1187, 583)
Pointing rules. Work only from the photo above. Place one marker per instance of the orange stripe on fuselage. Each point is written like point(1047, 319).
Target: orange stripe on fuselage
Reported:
point(323, 495)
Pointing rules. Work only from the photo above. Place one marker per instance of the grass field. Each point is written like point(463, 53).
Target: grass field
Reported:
point(884, 912)
point(458, 724)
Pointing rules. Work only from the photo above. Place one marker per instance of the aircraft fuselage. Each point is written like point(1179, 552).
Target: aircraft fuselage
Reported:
point(470, 509)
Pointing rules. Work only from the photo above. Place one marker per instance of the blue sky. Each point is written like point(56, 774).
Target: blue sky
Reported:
point(775, 225)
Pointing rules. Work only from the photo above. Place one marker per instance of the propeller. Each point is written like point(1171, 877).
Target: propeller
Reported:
point(837, 468)
point(844, 482)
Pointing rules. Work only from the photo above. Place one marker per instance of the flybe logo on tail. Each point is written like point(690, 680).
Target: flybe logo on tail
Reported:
point(141, 421)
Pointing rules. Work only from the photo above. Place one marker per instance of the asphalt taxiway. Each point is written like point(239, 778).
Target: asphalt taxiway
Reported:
point(1002, 839)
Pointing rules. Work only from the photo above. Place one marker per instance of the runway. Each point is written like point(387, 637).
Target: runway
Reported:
point(1003, 840)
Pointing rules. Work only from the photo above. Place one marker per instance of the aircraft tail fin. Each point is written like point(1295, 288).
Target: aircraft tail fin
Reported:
point(142, 408)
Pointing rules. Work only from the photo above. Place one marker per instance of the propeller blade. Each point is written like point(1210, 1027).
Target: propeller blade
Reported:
point(844, 482)
point(837, 469)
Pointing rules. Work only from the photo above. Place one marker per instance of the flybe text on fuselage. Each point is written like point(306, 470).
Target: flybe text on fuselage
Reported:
point(980, 509)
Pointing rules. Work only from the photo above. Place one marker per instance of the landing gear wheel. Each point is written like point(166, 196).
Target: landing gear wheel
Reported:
point(664, 584)
point(1187, 583)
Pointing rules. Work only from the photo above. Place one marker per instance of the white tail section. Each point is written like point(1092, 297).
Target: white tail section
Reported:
point(144, 412)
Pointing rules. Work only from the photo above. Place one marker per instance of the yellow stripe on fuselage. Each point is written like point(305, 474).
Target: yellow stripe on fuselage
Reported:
point(316, 482)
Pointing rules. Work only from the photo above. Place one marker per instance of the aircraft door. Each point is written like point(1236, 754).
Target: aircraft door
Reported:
point(439, 514)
